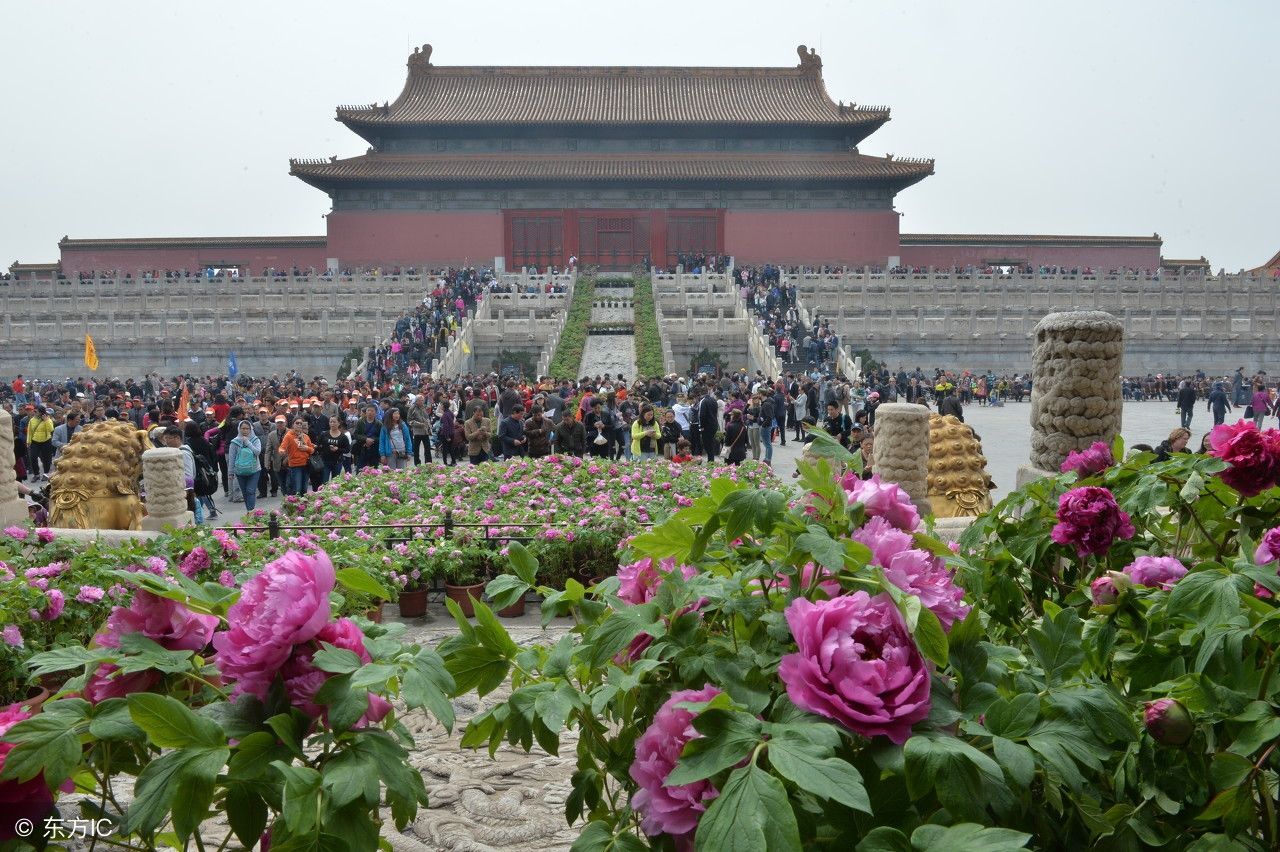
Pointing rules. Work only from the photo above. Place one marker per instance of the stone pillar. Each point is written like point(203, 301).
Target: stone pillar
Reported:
point(166, 485)
point(1075, 391)
point(901, 451)
point(13, 509)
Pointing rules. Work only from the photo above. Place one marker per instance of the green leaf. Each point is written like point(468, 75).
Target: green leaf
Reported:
point(751, 814)
point(826, 551)
point(290, 733)
point(1229, 770)
point(491, 633)
point(110, 720)
point(727, 739)
point(824, 777)
point(193, 793)
point(247, 814)
point(952, 769)
point(743, 509)
point(930, 637)
point(300, 804)
point(618, 630)
point(65, 659)
point(351, 776)
point(523, 563)
point(346, 704)
point(1056, 644)
point(599, 836)
point(361, 581)
point(967, 837)
point(254, 754)
point(48, 743)
point(179, 781)
point(1017, 761)
point(1231, 801)
point(476, 668)
point(170, 724)
point(142, 654)
point(505, 589)
point(1013, 718)
point(1210, 596)
point(884, 839)
point(336, 660)
point(428, 684)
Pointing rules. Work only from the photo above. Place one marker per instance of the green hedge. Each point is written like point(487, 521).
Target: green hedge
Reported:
point(573, 338)
point(648, 342)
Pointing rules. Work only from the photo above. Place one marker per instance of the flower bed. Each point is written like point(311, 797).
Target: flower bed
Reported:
point(573, 337)
point(648, 342)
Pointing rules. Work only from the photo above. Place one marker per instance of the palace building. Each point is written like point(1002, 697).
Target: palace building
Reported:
point(615, 166)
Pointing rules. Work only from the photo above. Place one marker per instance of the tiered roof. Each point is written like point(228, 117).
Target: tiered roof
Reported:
point(1029, 239)
point(476, 96)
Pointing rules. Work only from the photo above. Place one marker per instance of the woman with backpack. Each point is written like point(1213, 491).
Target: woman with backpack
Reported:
point(206, 466)
point(243, 453)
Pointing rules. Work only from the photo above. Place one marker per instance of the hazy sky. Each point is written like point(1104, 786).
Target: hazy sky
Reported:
point(133, 119)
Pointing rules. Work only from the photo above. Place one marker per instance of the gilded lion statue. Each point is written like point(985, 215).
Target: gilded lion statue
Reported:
point(959, 486)
point(95, 480)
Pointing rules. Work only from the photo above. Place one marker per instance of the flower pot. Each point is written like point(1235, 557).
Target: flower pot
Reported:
point(375, 614)
point(514, 611)
point(413, 603)
point(36, 697)
point(462, 595)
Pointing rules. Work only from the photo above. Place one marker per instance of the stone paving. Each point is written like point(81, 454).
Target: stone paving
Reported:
point(609, 354)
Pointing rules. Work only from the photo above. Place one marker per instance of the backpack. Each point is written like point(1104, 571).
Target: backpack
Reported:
point(246, 460)
point(206, 476)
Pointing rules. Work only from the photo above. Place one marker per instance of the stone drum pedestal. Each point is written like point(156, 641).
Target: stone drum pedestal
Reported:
point(13, 509)
point(166, 484)
point(1075, 391)
point(901, 450)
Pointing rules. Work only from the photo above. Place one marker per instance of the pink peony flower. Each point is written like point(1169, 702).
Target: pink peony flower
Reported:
point(1269, 548)
point(16, 532)
point(166, 622)
point(1168, 722)
point(1088, 462)
point(924, 575)
point(44, 535)
point(857, 665)
point(286, 604)
point(57, 603)
point(882, 500)
point(673, 810)
point(640, 580)
point(12, 635)
point(90, 594)
point(1103, 591)
point(302, 679)
point(884, 539)
point(1157, 571)
point(1254, 456)
point(1090, 520)
point(30, 800)
point(104, 684)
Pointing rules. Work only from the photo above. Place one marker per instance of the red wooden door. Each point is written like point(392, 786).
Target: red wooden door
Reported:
point(613, 239)
point(534, 238)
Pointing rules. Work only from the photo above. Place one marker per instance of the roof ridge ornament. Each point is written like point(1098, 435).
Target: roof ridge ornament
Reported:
point(810, 61)
point(420, 59)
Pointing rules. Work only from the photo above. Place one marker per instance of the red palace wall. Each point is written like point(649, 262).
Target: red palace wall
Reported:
point(390, 237)
point(811, 236)
point(135, 261)
point(1101, 258)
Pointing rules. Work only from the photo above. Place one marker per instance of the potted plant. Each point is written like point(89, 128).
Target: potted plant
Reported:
point(463, 582)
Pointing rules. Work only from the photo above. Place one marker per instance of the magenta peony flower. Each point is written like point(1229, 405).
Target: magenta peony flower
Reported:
point(924, 575)
point(12, 635)
point(1090, 520)
point(302, 679)
point(1168, 722)
point(103, 685)
point(44, 535)
point(1157, 571)
point(57, 603)
point(1103, 591)
point(882, 500)
point(857, 665)
point(640, 580)
point(90, 594)
point(31, 800)
point(1269, 548)
point(884, 539)
point(166, 622)
point(16, 532)
point(673, 810)
point(195, 562)
point(1254, 456)
point(286, 604)
point(1093, 460)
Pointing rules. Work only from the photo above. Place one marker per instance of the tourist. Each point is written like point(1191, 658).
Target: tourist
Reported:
point(1175, 443)
point(681, 410)
point(478, 430)
point(273, 460)
point(366, 436)
point(297, 449)
point(671, 434)
point(1260, 404)
point(243, 454)
point(865, 449)
point(394, 440)
point(571, 436)
point(837, 424)
point(949, 405)
point(538, 431)
point(64, 432)
point(451, 436)
point(334, 446)
point(645, 434)
point(751, 417)
point(708, 417)
point(1186, 402)
point(735, 434)
point(40, 443)
point(683, 453)
point(419, 420)
point(1218, 404)
point(511, 433)
point(171, 438)
point(599, 427)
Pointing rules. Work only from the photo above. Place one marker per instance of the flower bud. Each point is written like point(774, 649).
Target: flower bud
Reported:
point(1108, 588)
point(1168, 722)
